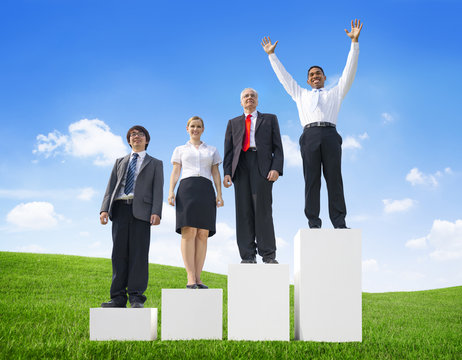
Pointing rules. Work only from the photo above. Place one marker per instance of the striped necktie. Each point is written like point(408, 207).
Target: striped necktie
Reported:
point(131, 175)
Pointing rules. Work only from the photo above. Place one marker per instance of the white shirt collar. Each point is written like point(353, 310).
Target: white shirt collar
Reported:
point(254, 114)
point(141, 154)
point(188, 143)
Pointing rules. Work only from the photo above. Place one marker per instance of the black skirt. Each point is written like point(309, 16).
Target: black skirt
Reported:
point(196, 204)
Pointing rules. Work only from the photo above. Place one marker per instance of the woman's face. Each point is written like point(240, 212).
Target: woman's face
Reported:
point(195, 129)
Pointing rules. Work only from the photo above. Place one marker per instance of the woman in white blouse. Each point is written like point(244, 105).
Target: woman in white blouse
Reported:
point(196, 203)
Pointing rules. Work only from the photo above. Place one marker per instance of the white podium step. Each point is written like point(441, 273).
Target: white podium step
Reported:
point(192, 314)
point(327, 284)
point(258, 302)
point(123, 324)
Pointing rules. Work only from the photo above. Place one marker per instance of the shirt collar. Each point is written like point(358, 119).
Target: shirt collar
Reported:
point(188, 143)
point(254, 114)
point(141, 154)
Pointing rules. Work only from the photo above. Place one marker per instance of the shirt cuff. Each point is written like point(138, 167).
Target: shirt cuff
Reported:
point(354, 45)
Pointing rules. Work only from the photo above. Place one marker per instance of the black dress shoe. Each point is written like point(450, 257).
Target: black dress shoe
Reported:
point(113, 304)
point(249, 261)
point(193, 286)
point(137, 305)
point(315, 227)
point(342, 227)
point(270, 261)
point(202, 286)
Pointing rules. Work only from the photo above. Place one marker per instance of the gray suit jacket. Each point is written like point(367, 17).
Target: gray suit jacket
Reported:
point(267, 139)
point(148, 188)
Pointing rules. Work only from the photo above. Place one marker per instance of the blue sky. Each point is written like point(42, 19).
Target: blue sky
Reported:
point(75, 75)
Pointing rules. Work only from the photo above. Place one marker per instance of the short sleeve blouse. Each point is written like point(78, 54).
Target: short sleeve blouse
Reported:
point(196, 161)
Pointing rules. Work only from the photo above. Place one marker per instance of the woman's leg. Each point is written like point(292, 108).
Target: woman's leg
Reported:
point(188, 250)
point(201, 250)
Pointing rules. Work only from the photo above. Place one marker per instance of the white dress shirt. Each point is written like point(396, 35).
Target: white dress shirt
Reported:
point(329, 102)
point(196, 161)
point(121, 195)
point(253, 123)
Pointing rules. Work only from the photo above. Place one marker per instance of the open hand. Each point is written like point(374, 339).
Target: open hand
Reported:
point(356, 27)
point(268, 46)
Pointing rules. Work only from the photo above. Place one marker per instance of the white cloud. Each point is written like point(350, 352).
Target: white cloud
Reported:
point(86, 194)
point(86, 139)
point(420, 243)
point(351, 143)
point(370, 265)
point(34, 216)
point(32, 248)
point(281, 243)
point(444, 239)
point(416, 177)
point(354, 142)
point(292, 155)
point(392, 206)
point(47, 145)
point(387, 118)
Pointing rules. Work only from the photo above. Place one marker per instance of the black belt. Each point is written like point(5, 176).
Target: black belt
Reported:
point(125, 201)
point(319, 123)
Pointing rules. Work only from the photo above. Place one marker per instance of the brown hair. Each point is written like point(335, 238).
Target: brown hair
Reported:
point(141, 129)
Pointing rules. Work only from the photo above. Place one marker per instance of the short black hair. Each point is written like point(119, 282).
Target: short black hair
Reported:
point(314, 66)
point(143, 130)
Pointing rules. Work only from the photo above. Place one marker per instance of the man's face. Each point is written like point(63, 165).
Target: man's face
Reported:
point(249, 100)
point(316, 78)
point(137, 140)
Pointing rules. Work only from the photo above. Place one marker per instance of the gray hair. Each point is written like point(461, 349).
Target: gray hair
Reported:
point(253, 90)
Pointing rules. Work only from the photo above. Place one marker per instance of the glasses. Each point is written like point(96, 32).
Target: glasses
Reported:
point(140, 134)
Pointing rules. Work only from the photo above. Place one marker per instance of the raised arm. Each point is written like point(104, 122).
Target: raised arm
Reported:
point(291, 86)
point(348, 75)
point(356, 27)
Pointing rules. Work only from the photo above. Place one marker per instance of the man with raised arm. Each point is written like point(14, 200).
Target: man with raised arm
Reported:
point(320, 144)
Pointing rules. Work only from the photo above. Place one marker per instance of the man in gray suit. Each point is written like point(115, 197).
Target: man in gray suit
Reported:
point(133, 201)
point(253, 160)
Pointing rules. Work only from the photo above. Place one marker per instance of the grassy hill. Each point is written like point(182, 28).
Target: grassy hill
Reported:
point(45, 301)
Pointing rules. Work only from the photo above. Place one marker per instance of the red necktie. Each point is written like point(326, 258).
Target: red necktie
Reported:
point(246, 143)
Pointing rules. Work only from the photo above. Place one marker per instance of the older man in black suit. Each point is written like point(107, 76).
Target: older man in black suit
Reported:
point(133, 201)
point(253, 160)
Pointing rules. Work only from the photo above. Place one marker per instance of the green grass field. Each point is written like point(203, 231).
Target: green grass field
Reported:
point(45, 302)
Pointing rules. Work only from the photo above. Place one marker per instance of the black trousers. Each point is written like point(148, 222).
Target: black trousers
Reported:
point(130, 252)
point(321, 147)
point(254, 213)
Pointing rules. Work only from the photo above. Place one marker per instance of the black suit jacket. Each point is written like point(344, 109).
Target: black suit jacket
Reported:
point(148, 190)
point(267, 139)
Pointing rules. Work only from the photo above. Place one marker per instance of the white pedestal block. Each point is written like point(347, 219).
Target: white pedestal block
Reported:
point(258, 302)
point(192, 314)
point(327, 284)
point(123, 324)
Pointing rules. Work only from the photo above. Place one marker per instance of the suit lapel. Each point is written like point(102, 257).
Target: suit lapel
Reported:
point(146, 161)
point(259, 121)
point(123, 167)
point(239, 129)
